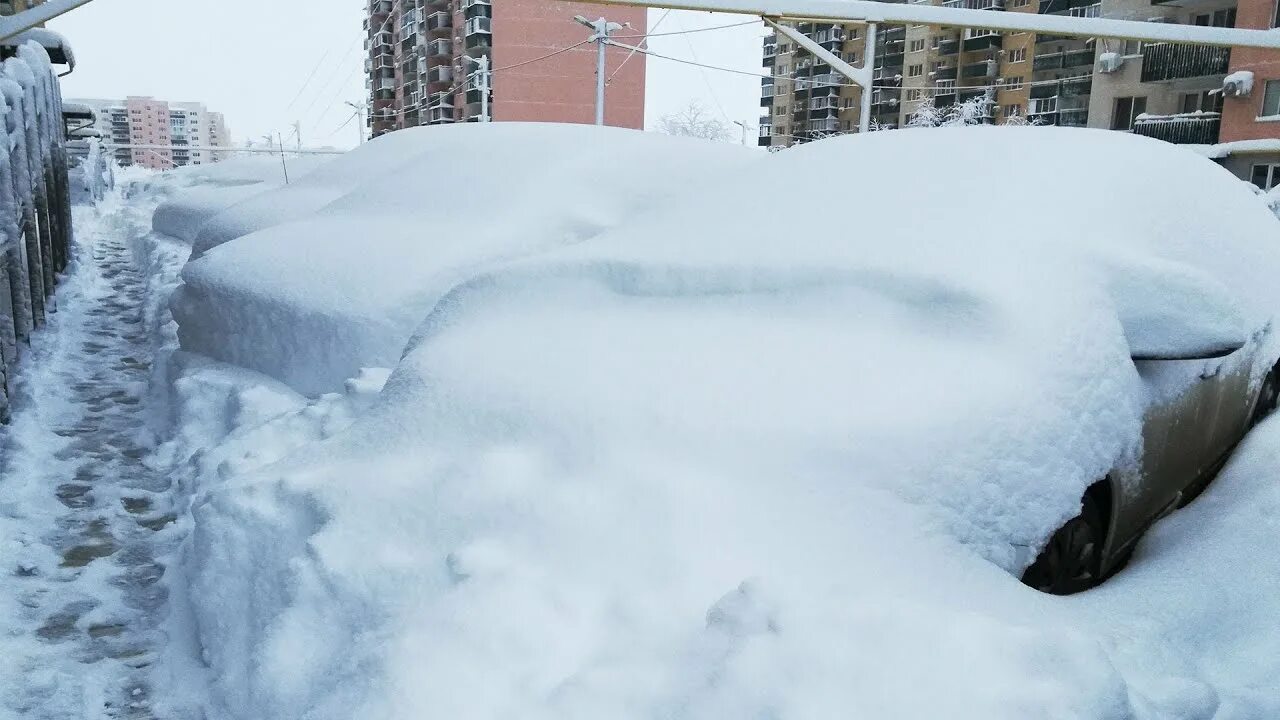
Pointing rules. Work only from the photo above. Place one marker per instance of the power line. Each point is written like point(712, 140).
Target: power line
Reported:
point(310, 77)
point(343, 125)
point(540, 59)
point(633, 52)
point(685, 32)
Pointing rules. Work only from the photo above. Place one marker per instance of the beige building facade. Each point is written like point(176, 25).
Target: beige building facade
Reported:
point(1168, 91)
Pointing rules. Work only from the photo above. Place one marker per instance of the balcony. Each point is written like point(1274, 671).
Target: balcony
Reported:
point(1062, 60)
point(948, 47)
point(479, 25)
point(985, 68)
point(1190, 129)
point(1047, 90)
point(439, 75)
point(948, 73)
point(1064, 7)
point(440, 114)
point(1076, 86)
point(983, 42)
point(890, 60)
point(440, 23)
point(440, 49)
point(1167, 61)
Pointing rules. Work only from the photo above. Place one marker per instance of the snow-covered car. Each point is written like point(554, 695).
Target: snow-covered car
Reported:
point(1049, 382)
point(1187, 439)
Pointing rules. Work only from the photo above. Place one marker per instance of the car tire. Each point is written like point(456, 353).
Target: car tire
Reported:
point(1268, 397)
point(1072, 559)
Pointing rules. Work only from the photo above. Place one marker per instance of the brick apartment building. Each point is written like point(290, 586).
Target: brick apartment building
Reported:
point(417, 63)
point(178, 128)
point(1167, 91)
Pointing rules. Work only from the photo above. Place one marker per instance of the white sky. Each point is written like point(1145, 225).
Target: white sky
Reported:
point(251, 58)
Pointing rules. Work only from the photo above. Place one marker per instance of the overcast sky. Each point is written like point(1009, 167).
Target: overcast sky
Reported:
point(251, 59)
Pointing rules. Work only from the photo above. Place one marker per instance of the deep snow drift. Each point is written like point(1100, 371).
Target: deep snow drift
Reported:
point(712, 458)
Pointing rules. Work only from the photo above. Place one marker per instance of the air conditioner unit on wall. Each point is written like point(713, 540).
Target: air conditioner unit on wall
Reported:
point(1109, 62)
point(1238, 84)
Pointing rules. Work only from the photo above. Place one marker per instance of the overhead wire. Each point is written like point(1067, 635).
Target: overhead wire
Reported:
point(632, 54)
point(690, 31)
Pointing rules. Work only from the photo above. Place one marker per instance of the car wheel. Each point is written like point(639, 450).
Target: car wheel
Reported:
point(1072, 559)
point(1268, 397)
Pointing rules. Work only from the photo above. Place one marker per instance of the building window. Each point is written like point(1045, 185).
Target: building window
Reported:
point(1271, 99)
point(1013, 83)
point(1012, 110)
point(917, 45)
point(1018, 55)
point(1266, 176)
point(915, 70)
point(1127, 109)
point(1204, 101)
point(913, 94)
point(1131, 48)
point(1219, 18)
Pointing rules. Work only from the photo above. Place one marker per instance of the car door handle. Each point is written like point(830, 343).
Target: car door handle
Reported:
point(1209, 374)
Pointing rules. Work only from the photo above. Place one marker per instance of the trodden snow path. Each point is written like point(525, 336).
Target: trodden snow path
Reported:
point(86, 518)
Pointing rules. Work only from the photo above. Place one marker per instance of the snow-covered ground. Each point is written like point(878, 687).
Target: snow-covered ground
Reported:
point(87, 514)
point(689, 458)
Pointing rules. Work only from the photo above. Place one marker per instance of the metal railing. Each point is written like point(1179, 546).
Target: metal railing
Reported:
point(1169, 61)
point(1192, 129)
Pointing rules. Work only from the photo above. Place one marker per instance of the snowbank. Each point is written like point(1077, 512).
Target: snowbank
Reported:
point(312, 281)
point(715, 462)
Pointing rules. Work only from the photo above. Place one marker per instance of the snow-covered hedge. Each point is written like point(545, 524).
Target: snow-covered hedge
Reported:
point(731, 454)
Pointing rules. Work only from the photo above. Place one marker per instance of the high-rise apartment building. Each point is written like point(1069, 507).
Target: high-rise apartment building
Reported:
point(423, 55)
point(9, 7)
point(180, 131)
point(1163, 90)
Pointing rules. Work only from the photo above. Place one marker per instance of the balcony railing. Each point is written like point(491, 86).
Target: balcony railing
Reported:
point(1190, 129)
point(1167, 61)
point(975, 4)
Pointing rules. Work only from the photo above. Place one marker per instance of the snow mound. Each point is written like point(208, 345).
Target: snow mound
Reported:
point(720, 462)
point(310, 282)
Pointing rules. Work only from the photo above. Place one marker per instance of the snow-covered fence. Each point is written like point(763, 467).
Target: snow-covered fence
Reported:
point(35, 207)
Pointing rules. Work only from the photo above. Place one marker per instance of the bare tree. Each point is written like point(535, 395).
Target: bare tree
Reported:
point(694, 121)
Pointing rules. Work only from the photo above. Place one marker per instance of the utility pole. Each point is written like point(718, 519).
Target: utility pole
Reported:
point(482, 76)
point(297, 132)
point(744, 130)
point(360, 109)
point(601, 30)
point(283, 165)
